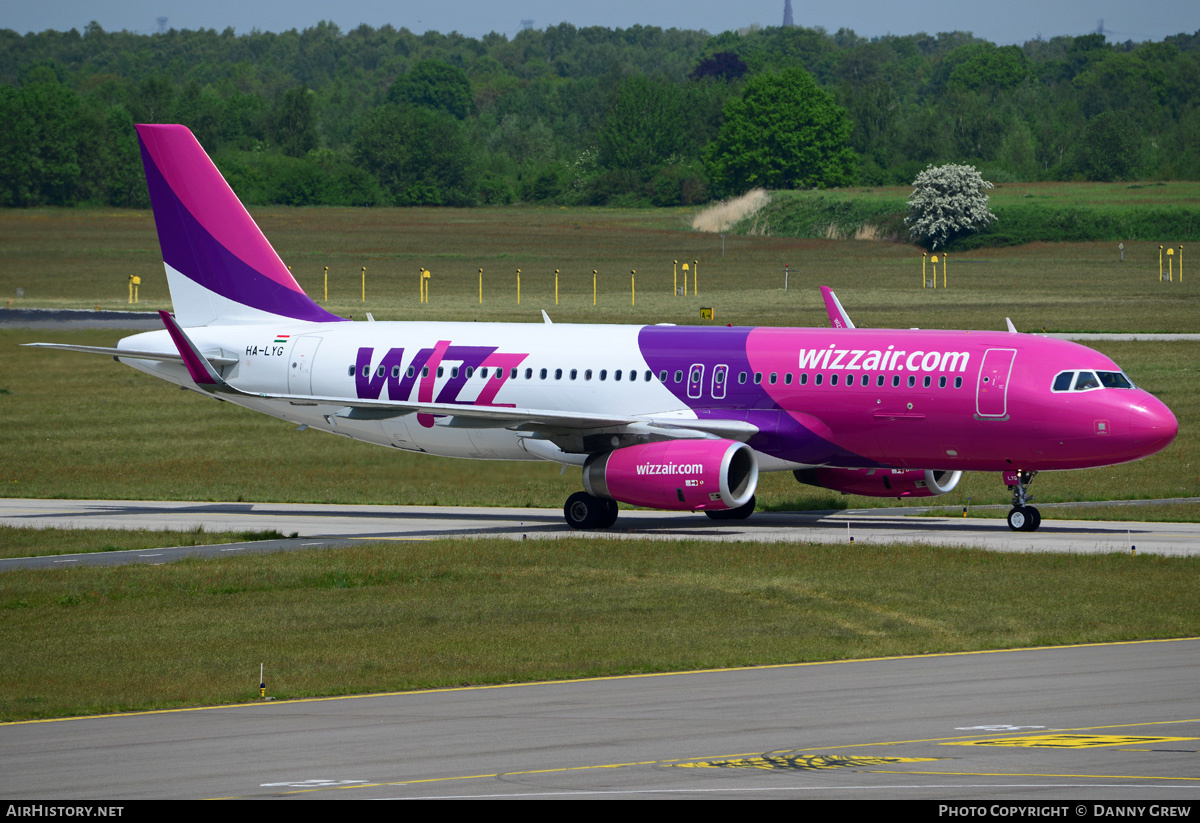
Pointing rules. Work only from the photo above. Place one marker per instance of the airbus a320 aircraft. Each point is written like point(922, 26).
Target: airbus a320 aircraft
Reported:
point(660, 416)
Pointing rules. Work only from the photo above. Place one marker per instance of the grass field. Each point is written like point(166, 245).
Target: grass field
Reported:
point(433, 613)
point(83, 258)
point(1154, 213)
point(409, 615)
point(28, 542)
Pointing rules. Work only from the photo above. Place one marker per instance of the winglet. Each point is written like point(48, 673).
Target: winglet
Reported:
point(837, 315)
point(201, 371)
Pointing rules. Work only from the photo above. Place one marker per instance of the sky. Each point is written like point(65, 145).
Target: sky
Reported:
point(1012, 21)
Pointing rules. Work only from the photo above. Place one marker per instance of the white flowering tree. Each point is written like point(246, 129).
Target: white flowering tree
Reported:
point(947, 202)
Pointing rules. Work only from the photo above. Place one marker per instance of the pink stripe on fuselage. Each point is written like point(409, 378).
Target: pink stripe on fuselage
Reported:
point(203, 191)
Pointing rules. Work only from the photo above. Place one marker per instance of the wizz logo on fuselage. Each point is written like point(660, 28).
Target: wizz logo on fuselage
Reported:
point(421, 371)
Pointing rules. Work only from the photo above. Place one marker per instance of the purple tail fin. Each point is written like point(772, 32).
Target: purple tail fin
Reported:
point(220, 267)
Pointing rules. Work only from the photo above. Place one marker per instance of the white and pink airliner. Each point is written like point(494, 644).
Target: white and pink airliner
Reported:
point(667, 417)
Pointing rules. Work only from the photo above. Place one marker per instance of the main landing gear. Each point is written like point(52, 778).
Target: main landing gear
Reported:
point(1023, 518)
point(740, 513)
point(586, 512)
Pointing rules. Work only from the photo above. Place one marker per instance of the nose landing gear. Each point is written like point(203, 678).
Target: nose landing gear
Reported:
point(1022, 518)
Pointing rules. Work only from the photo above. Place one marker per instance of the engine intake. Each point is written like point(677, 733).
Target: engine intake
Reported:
point(680, 475)
point(882, 482)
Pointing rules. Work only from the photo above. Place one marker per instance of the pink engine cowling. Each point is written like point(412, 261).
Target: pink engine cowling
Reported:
point(882, 482)
point(681, 475)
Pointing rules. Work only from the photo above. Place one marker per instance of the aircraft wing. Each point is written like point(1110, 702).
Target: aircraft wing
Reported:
point(128, 354)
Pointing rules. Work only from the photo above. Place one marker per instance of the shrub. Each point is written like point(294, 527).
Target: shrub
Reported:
point(947, 202)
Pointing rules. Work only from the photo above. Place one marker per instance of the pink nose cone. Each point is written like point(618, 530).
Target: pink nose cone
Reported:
point(1152, 426)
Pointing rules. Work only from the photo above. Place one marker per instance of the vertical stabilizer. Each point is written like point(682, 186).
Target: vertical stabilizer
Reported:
point(220, 267)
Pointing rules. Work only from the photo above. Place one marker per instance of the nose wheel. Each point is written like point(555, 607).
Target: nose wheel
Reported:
point(1022, 517)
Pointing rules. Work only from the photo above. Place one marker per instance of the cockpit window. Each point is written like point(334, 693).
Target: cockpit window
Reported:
point(1114, 380)
point(1088, 380)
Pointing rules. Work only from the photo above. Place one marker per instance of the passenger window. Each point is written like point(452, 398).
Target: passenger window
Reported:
point(774, 378)
point(425, 371)
point(925, 383)
point(558, 374)
point(542, 374)
point(757, 377)
point(366, 371)
point(587, 374)
point(818, 380)
point(958, 382)
point(529, 374)
point(742, 377)
point(942, 382)
point(866, 380)
point(617, 374)
point(632, 375)
point(662, 376)
point(912, 381)
point(648, 375)
point(574, 373)
point(513, 374)
point(603, 374)
point(351, 372)
point(879, 381)
point(679, 375)
point(804, 378)
point(441, 370)
point(833, 379)
point(453, 371)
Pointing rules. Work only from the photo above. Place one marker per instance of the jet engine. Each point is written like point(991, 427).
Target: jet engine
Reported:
point(882, 482)
point(681, 475)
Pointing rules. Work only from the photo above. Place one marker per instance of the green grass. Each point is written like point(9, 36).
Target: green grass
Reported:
point(1026, 213)
point(82, 258)
point(390, 616)
point(16, 541)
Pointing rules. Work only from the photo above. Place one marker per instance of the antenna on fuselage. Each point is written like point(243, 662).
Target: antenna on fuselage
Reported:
point(1011, 327)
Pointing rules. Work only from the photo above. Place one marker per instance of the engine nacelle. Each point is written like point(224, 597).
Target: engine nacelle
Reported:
point(681, 475)
point(882, 482)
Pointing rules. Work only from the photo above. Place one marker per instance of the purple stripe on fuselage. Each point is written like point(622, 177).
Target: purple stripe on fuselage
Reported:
point(785, 434)
point(191, 250)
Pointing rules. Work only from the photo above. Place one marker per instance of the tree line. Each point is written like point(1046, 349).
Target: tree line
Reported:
point(566, 115)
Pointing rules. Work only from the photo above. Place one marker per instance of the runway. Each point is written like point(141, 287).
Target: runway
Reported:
point(1102, 722)
point(326, 525)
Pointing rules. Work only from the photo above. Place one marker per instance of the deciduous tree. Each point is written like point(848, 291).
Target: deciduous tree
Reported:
point(784, 132)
